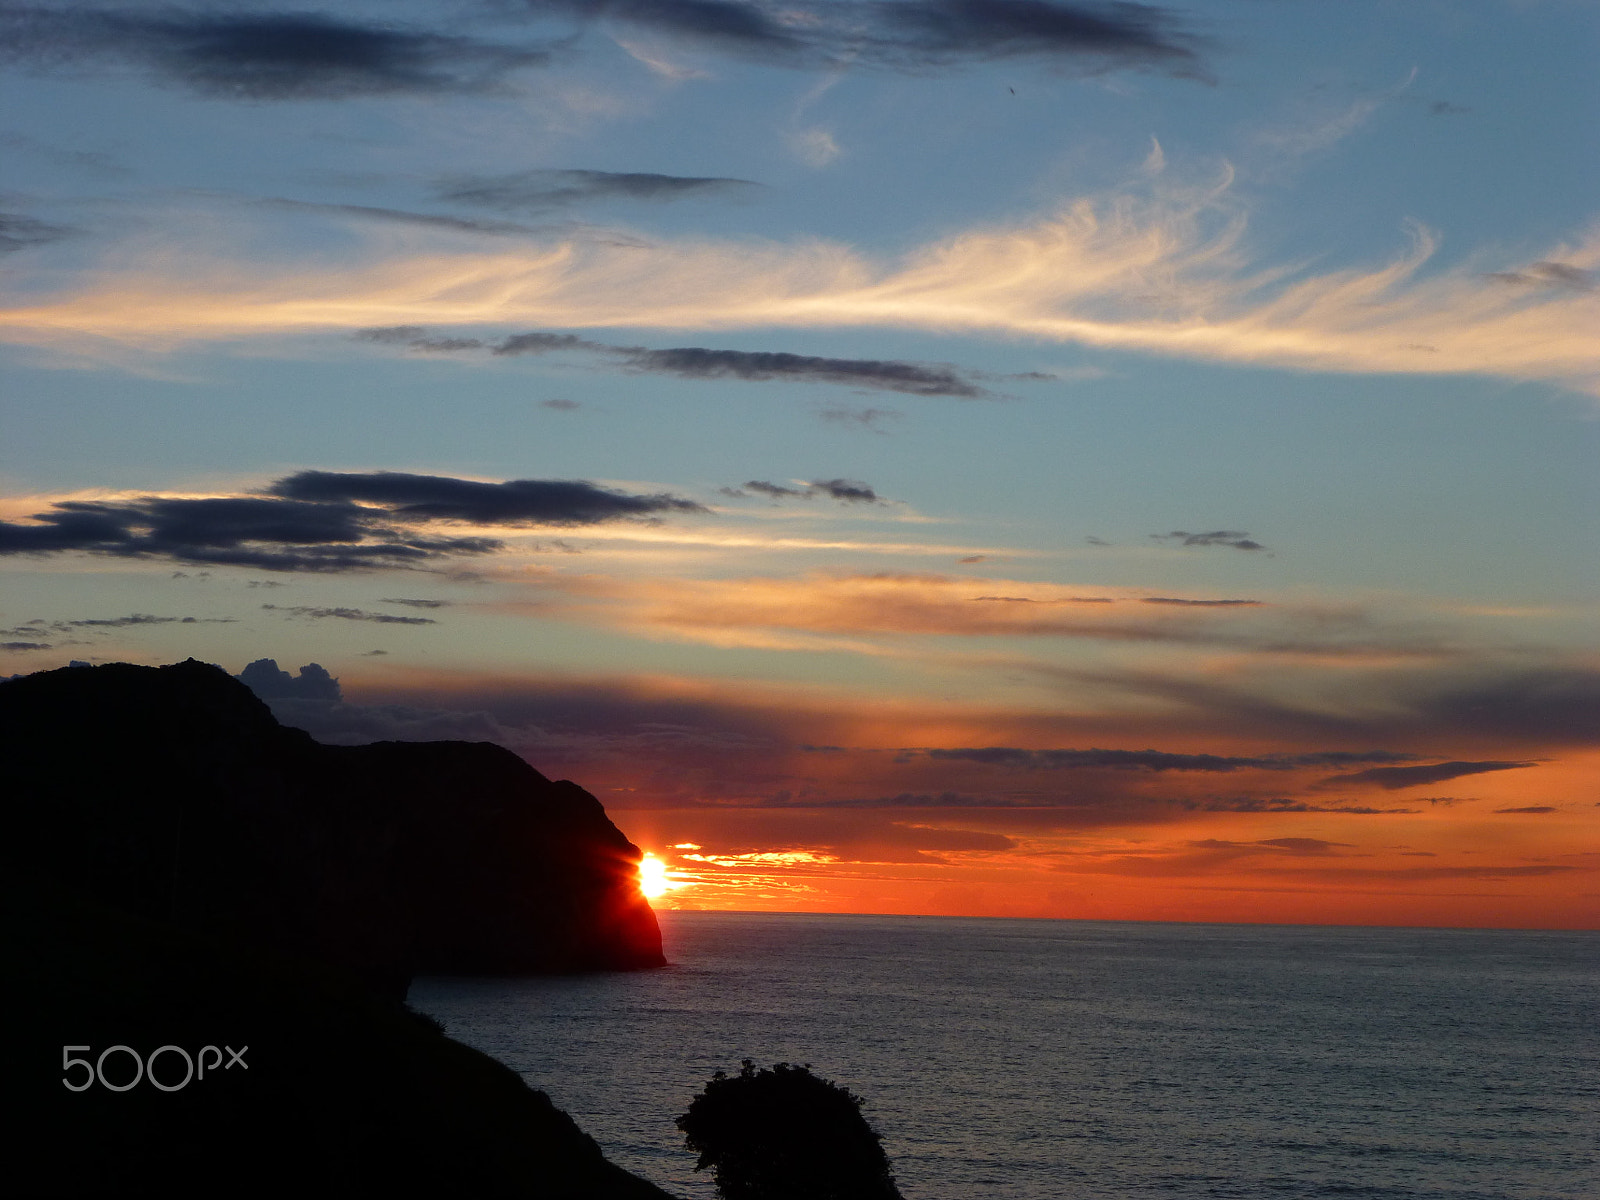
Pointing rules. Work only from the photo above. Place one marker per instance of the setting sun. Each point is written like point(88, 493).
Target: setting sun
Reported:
point(653, 880)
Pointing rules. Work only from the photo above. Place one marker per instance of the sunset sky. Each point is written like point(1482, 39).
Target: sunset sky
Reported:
point(981, 457)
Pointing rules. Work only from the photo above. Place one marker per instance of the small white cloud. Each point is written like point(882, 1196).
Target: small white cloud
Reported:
point(654, 58)
point(814, 146)
point(1156, 161)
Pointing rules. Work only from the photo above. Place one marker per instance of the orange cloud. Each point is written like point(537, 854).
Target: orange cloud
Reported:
point(866, 613)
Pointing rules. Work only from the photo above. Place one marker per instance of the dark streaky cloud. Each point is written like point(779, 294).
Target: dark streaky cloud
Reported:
point(313, 56)
point(932, 32)
point(1522, 712)
point(1217, 537)
point(18, 232)
point(1559, 703)
point(441, 498)
point(905, 800)
point(414, 337)
point(696, 362)
point(1394, 778)
point(846, 491)
point(699, 362)
point(1155, 760)
point(543, 190)
point(773, 490)
point(325, 521)
point(1279, 804)
point(347, 614)
point(391, 335)
point(261, 56)
point(400, 216)
point(1560, 275)
point(860, 418)
point(539, 343)
point(138, 619)
point(915, 35)
point(122, 622)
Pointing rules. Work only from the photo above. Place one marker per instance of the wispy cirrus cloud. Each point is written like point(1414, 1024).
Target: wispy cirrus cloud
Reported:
point(1164, 272)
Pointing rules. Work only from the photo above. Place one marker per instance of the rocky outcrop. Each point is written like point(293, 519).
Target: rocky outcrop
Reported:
point(173, 794)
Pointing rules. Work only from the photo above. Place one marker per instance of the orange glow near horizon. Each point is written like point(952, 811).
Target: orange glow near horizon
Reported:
point(1428, 869)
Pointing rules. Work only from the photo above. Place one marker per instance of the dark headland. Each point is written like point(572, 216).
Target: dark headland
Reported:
point(183, 871)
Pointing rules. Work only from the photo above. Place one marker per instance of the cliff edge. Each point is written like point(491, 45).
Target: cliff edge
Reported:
point(173, 794)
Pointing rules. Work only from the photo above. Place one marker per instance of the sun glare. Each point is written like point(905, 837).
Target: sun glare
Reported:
point(653, 880)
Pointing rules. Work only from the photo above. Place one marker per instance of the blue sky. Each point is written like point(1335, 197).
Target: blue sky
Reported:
point(1210, 378)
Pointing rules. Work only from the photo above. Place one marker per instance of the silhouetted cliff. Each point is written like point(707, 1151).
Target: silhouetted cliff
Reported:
point(172, 793)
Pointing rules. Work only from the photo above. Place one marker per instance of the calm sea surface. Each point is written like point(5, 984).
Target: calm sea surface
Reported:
point(1032, 1059)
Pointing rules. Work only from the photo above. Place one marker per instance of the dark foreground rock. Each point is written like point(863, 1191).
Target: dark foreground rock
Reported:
point(172, 793)
point(181, 878)
point(335, 1092)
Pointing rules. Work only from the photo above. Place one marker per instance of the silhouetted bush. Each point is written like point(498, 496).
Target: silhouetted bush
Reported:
point(786, 1134)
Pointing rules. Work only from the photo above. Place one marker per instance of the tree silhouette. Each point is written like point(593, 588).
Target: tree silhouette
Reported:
point(785, 1134)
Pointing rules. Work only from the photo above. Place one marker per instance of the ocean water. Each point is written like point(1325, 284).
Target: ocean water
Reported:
point(1040, 1059)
